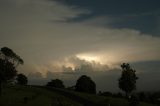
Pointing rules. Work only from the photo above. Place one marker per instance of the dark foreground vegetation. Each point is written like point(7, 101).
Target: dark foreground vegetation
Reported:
point(14, 90)
point(49, 96)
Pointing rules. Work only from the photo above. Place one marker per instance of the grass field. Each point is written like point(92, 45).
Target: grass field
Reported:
point(35, 96)
point(31, 96)
point(105, 101)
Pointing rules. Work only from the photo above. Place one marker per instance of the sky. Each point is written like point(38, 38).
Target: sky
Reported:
point(54, 37)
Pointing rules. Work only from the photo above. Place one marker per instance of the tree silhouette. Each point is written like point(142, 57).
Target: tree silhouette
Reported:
point(8, 63)
point(85, 84)
point(21, 79)
point(55, 83)
point(127, 81)
point(8, 55)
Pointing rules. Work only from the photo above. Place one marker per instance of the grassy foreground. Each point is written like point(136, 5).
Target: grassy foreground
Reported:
point(32, 96)
point(35, 96)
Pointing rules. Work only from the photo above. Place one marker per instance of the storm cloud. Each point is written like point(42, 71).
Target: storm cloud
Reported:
point(52, 36)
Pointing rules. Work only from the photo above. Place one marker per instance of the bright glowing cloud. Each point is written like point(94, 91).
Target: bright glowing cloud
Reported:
point(38, 31)
point(89, 57)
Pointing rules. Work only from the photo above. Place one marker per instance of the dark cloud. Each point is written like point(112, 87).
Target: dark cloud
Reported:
point(36, 75)
point(148, 73)
point(36, 79)
point(115, 6)
point(147, 66)
point(140, 15)
point(106, 80)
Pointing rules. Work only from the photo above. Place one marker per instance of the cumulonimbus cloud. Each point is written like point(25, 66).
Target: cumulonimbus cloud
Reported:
point(33, 29)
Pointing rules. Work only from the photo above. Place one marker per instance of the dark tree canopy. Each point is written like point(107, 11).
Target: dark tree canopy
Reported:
point(9, 55)
point(7, 71)
point(56, 83)
point(127, 81)
point(22, 79)
point(8, 63)
point(85, 84)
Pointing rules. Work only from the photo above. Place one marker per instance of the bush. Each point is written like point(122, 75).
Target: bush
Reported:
point(21, 79)
point(85, 84)
point(56, 83)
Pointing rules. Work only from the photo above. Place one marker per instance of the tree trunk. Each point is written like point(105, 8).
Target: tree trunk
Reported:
point(127, 95)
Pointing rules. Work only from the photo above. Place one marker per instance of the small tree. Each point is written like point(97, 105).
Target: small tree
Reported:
point(127, 81)
point(55, 83)
point(85, 84)
point(21, 79)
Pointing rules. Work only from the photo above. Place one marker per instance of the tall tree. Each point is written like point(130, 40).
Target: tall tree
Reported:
point(8, 63)
point(127, 81)
point(22, 79)
point(85, 84)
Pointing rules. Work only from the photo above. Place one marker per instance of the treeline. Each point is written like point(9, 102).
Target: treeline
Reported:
point(9, 61)
point(84, 84)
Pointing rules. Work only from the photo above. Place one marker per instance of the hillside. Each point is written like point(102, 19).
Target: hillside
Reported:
point(32, 96)
point(40, 96)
